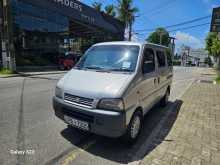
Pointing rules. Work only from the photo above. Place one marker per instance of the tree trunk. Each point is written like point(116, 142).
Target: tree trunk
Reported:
point(130, 31)
point(218, 62)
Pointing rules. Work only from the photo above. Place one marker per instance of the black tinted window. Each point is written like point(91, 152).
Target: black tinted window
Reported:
point(161, 58)
point(148, 61)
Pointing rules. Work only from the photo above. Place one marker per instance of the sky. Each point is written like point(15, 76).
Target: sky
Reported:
point(160, 13)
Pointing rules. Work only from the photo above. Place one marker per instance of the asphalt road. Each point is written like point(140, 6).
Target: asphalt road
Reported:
point(27, 123)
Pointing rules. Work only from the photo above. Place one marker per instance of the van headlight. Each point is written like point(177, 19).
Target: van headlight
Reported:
point(111, 104)
point(59, 92)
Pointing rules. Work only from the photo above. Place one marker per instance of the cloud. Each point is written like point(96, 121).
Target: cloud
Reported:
point(189, 40)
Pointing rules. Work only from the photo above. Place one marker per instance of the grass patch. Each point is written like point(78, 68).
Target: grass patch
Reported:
point(218, 76)
point(6, 72)
point(217, 80)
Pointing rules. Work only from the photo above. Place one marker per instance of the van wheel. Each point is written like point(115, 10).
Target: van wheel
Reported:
point(164, 100)
point(134, 128)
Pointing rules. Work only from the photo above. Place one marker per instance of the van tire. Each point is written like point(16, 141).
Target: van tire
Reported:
point(131, 135)
point(164, 100)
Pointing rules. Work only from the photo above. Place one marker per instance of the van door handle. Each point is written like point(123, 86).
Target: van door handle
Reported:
point(158, 80)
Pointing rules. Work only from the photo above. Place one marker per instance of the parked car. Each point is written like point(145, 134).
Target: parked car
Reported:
point(113, 86)
point(67, 61)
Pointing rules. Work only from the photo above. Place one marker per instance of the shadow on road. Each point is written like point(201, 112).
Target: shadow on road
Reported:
point(117, 151)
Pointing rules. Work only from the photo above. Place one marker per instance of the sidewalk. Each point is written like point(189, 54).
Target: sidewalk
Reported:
point(194, 138)
point(33, 73)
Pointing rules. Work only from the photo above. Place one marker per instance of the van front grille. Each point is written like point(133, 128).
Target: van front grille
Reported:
point(78, 100)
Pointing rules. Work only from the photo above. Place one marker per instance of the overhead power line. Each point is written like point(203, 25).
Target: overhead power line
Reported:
point(189, 27)
point(183, 28)
point(159, 7)
point(179, 24)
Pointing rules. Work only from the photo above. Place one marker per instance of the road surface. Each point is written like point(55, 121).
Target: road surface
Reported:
point(28, 124)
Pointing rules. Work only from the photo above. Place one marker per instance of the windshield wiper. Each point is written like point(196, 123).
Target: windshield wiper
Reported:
point(121, 70)
point(94, 67)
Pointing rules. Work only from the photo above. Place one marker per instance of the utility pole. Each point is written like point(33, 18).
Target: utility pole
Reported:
point(161, 35)
point(1, 31)
point(172, 45)
point(8, 54)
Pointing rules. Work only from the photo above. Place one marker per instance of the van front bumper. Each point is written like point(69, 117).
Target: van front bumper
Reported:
point(101, 122)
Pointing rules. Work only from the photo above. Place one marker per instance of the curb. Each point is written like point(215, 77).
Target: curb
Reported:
point(9, 76)
point(28, 75)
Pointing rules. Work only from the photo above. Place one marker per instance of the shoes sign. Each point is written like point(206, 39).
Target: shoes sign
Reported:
point(70, 3)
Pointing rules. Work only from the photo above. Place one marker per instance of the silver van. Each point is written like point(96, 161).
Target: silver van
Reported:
point(113, 86)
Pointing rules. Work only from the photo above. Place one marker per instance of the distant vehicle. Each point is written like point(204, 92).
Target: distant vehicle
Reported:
point(67, 61)
point(113, 86)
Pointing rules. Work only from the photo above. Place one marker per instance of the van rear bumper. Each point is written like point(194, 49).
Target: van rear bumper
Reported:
point(101, 122)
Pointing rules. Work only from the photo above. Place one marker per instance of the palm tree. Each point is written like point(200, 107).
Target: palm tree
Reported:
point(127, 14)
point(97, 6)
point(110, 10)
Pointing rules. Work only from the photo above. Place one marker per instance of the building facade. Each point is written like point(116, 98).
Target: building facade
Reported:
point(198, 57)
point(36, 32)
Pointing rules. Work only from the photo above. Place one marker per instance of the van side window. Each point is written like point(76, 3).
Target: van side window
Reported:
point(161, 58)
point(148, 61)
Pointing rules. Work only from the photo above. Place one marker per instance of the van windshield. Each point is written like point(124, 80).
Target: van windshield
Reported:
point(121, 58)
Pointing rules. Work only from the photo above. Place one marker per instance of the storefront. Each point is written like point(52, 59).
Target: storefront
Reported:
point(40, 30)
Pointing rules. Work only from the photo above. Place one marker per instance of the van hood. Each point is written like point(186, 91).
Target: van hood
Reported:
point(94, 84)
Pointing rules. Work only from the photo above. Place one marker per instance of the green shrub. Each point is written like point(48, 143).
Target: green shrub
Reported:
point(176, 63)
point(190, 62)
point(217, 80)
point(208, 61)
point(6, 71)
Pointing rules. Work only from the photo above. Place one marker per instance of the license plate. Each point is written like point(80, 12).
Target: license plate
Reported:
point(77, 123)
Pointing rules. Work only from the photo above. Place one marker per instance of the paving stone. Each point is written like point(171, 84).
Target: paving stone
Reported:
point(194, 138)
point(206, 154)
point(196, 161)
point(215, 158)
point(175, 161)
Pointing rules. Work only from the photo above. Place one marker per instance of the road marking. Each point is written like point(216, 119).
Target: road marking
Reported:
point(20, 128)
point(188, 86)
point(182, 80)
point(83, 143)
point(72, 155)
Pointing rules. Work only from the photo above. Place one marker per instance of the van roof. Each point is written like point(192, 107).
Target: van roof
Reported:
point(129, 43)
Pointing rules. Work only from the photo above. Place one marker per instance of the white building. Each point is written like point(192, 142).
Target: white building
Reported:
point(198, 56)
